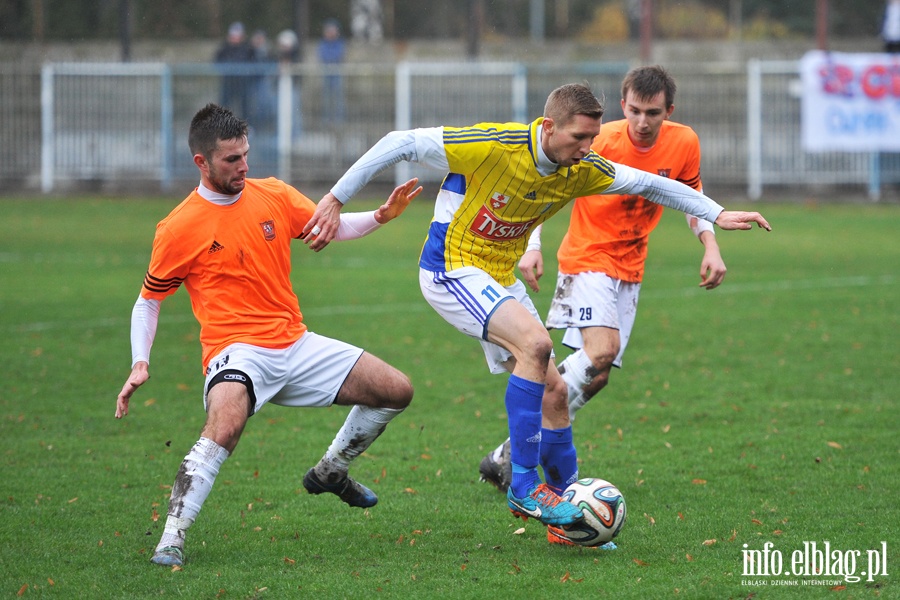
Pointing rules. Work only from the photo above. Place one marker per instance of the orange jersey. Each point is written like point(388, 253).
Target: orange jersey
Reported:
point(609, 234)
point(235, 262)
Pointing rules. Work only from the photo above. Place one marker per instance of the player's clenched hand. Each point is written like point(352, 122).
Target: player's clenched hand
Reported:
point(139, 375)
point(400, 198)
point(324, 223)
point(532, 267)
point(737, 219)
point(712, 269)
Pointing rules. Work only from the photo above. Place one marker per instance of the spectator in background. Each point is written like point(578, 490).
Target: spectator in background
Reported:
point(890, 28)
point(331, 54)
point(287, 49)
point(235, 50)
point(262, 87)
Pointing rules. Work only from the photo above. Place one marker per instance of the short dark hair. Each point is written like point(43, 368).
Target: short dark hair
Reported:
point(572, 99)
point(647, 82)
point(211, 124)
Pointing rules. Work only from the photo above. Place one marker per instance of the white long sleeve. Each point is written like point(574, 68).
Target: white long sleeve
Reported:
point(356, 225)
point(144, 319)
point(423, 146)
point(662, 190)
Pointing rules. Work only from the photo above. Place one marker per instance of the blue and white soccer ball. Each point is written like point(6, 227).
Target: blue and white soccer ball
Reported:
point(604, 511)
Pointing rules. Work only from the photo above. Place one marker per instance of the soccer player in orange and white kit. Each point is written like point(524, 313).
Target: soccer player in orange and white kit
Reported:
point(601, 258)
point(229, 244)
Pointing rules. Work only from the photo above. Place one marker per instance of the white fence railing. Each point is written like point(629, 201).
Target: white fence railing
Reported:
point(124, 124)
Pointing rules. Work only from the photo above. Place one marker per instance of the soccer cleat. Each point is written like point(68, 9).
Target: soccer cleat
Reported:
point(170, 556)
point(557, 535)
point(545, 506)
point(496, 468)
point(348, 490)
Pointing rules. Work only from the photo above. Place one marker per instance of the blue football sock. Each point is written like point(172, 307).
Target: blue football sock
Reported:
point(559, 458)
point(523, 407)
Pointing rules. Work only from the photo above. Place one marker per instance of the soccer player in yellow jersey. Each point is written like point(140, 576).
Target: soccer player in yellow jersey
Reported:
point(601, 259)
point(504, 179)
point(229, 244)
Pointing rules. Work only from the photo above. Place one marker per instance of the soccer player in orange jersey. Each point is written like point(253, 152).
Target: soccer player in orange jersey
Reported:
point(229, 244)
point(601, 258)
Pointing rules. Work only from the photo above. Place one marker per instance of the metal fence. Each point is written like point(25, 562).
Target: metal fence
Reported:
point(122, 126)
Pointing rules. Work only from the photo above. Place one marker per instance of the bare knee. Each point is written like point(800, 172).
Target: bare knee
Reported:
point(537, 350)
point(398, 393)
point(373, 382)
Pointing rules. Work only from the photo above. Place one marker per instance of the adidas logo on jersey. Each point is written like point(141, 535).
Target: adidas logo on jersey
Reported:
point(531, 195)
point(216, 246)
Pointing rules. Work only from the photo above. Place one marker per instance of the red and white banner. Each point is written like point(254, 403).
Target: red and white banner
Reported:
point(851, 102)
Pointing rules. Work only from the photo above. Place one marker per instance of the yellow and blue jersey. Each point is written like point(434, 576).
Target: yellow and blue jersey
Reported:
point(494, 196)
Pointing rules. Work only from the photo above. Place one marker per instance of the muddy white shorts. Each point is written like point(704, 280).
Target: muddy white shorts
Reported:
point(466, 298)
point(593, 300)
point(308, 373)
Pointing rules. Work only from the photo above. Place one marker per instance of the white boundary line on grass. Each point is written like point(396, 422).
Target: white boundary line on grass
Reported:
point(787, 285)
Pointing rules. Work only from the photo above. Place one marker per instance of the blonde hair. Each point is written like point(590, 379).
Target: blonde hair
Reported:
point(572, 99)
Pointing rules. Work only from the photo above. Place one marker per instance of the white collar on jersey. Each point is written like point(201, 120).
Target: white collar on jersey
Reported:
point(545, 166)
point(216, 197)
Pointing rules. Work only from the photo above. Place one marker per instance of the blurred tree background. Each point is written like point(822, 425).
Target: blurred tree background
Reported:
point(587, 20)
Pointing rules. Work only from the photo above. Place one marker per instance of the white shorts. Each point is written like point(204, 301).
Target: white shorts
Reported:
point(308, 373)
point(593, 300)
point(466, 298)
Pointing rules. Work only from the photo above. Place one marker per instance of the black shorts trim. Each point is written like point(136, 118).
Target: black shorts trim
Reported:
point(235, 376)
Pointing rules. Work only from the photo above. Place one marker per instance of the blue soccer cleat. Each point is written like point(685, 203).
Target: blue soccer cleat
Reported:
point(350, 491)
point(170, 556)
point(545, 506)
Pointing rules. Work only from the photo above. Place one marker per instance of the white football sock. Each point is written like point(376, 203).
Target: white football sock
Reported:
point(192, 485)
point(575, 372)
point(361, 427)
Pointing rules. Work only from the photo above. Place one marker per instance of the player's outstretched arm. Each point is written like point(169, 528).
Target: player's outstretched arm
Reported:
point(400, 198)
point(738, 219)
point(140, 373)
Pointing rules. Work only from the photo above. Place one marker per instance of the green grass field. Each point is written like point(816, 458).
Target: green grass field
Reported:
point(765, 411)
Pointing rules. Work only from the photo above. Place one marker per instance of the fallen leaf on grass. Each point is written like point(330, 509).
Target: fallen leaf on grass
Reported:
point(410, 491)
point(289, 561)
point(709, 542)
point(519, 531)
point(649, 518)
point(698, 481)
point(756, 521)
point(835, 445)
point(22, 590)
point(639, 562)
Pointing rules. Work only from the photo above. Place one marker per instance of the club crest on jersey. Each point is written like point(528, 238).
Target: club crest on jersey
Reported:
point(664, 172)
point(499, 200)
point(268, 228)
point(486, 225)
